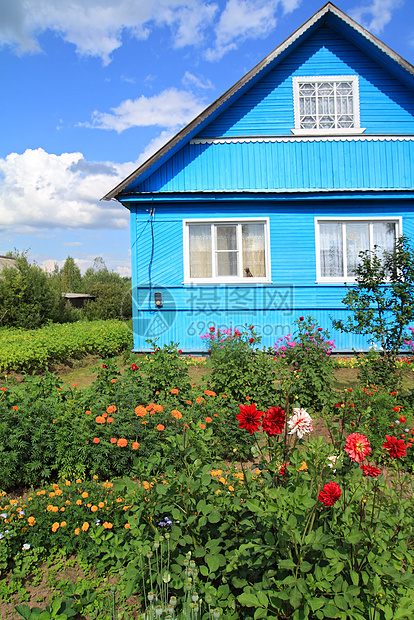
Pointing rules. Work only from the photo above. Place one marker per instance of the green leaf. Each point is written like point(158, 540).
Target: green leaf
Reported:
point(213, 562)
point(248, 600)
point(355, 577)
point(288, 564)
point(263, 600)
point(214, 516)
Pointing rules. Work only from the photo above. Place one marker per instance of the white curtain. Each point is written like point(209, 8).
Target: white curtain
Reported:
point(331, 249)
point(253, 250)
point(200, 251)
point(357, 240)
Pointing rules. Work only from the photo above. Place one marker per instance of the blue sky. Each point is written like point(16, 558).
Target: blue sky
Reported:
point(91, 88)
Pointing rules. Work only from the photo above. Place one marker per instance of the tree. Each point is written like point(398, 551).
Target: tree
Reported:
point(71, 276)
point(382, 301)
point(26, 299)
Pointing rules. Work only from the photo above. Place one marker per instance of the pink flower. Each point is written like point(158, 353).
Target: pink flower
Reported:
point(300, 422)
point(357, 447)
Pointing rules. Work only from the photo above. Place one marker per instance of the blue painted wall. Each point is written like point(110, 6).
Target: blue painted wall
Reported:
point(189, 310)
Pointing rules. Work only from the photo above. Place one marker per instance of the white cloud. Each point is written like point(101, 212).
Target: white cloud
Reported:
point(376, 15)
point(172, 108)
point(39, 190)
point(192, 80)
point(96, 27)
point(244, 19)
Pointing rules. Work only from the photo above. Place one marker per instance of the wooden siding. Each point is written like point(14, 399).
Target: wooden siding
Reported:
point(287, 165)
point(189, 310)
point(386, 105)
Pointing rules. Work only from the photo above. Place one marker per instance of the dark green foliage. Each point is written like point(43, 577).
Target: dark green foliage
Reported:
point(71, 278)
point(239, 369)
point(26, 300)
point(382, 301)
point(308, 355)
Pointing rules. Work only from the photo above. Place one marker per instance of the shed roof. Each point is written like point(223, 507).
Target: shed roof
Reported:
point(329, 13)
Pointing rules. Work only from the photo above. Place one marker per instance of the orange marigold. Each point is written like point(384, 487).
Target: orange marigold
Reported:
point(111, 409)
point(200, 399)
point(77, 531)
point(127, 526)
point(113, 380)
point(210, 393)
point(160, 427)
point(31, 521)
point(55, 526)
point(135, 445)
point(94, 508)
point(174, 391)
point(176, 414)
point(109, 420)
point(15, 408)
point(101, 505)
point(88, 412)
point(208, 419)
point(100, 419)
point(122, 442)
point(203, 426)
point(113, 440)
point(85, 526)
point(96, 440)
point(140, 411)
point(107, 525)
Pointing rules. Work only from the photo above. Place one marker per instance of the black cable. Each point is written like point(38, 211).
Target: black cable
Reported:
point(151, 258)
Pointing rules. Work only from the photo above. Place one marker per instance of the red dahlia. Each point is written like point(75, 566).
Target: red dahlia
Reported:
point(396, 447)
point(330, 494)
point(249, 418)
point(273, 422)
point(368, 470)
point(357, 447)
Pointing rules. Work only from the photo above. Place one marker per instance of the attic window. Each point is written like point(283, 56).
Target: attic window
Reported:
point(326, 105)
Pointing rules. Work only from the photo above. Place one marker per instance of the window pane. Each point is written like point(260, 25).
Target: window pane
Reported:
point(227, 264)
point(331, 249)
point(357, 240)
point(253, 250)
point(226, 237)
point(200, 251)
point(384, 236)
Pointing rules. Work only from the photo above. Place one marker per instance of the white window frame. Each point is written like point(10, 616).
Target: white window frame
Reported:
point(240, 279)
point(357, 129)
point(343, 220)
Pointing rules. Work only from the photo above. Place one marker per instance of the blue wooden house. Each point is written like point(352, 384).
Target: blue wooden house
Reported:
point(255, 212)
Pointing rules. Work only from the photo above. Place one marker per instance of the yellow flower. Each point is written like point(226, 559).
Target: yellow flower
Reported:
point(31, 521)
point(84, 495)
point(55, 527)
point(63, 524)
point(94, 508)
point(85, 526)
point(79, 502)
point(231, 488)
point(101, 505)
point(303, 466)
point(222, 480)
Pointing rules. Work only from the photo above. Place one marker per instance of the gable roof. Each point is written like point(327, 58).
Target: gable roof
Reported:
point(330, 14)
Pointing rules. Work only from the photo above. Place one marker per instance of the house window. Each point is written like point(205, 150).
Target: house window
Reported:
point(326, 105)
point(339, 243)
point(226, 251)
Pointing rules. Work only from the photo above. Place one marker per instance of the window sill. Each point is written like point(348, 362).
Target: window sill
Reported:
point(234, 281)
point(328, 132)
